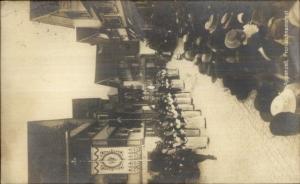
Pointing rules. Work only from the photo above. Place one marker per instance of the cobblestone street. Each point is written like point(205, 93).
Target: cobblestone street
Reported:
point(246, 150)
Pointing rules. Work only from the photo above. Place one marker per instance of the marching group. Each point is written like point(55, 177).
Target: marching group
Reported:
point(173, 159)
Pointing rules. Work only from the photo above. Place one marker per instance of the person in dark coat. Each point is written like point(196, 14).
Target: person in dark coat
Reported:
point(204, 62)
point(267, 90)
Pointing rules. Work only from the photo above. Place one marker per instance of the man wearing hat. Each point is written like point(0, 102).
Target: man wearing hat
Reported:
point(204, 62)
point(228, 22)
point(243, 18)
point(251, 38)
point(216, 33)
point(273, 44)
point(212, 23)
point(235, 38)
point(200, 45)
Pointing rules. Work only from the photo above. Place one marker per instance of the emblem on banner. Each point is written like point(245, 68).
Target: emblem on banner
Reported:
point(116, 160)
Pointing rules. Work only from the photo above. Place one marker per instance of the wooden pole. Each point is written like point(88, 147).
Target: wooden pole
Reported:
point(67, 142)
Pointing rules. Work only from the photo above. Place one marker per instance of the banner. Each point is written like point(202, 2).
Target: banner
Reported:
point(116, 160)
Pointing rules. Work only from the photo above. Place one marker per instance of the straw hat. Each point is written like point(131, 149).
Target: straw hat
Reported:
point(243, 18)
point(234, 38)
point(226, 20)
point(284, 102)
point(294, 14)
point(211, 24)
point(240, 17)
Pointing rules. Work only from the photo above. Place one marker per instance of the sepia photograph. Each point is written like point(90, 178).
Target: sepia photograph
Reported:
point(150, 92)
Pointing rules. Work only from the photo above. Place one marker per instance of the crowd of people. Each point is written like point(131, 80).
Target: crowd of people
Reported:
point(172, 159)
point(251, 46)
point(245, 49)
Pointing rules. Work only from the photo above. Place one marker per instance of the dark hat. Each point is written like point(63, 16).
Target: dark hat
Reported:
point(285, 123)
point(206, 57)
point(231, 59)
point(234, 38)
point(276, 28)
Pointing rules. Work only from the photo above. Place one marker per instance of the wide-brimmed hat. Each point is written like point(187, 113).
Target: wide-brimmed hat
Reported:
point(189, 55)
point(276, 28)
point(234, 38)
point(212, 23)
point(243, 18)
point(286, 101)
point(240, 17)
point(294, 17)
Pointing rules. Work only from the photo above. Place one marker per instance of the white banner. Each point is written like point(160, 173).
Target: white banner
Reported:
point(116, 160)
